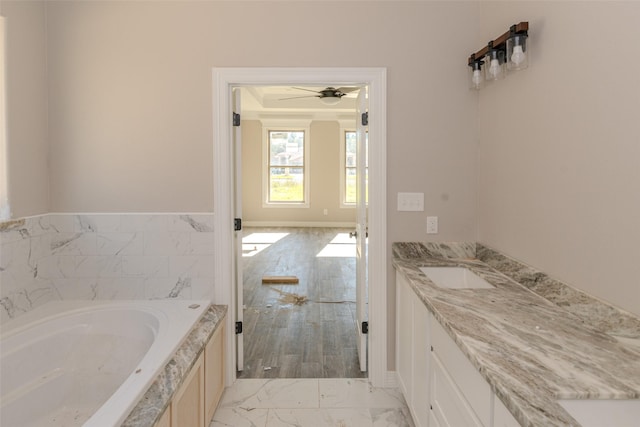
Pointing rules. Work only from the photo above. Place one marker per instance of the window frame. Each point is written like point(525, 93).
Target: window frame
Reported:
point(285, 125)
point(345, 126)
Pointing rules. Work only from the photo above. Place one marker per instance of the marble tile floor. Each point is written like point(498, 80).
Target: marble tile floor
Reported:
point(336, 402)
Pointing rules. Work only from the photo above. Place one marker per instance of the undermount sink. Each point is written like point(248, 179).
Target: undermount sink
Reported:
point(455, 278)
point(598, 413)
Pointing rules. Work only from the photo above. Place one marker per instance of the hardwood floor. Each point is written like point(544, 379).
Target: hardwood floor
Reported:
point(305, 330)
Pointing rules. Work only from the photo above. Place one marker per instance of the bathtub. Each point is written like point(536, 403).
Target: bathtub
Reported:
point(87, 363)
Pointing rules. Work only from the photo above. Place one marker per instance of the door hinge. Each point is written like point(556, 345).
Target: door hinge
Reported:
point(365, 119)
point(237, 224)
point(365, 327)
point(236, 119)
point(238, 328)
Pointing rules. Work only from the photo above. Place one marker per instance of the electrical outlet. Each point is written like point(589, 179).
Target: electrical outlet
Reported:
point(326, 212)
point(432, 225)
point(411, 202)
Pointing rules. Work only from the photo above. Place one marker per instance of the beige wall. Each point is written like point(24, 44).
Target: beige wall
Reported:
point(560, 166)
point(324, 179)
point(27, 145)
point(130, 99)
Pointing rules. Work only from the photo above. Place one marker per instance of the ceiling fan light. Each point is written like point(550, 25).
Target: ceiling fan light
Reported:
point(330, 100)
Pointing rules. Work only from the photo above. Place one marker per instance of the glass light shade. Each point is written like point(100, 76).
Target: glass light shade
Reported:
point(476, 76)
point(494, 68)
point(330, 100)
point(517, 55)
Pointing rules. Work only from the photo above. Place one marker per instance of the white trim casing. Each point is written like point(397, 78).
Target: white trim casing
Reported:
point(224, 287)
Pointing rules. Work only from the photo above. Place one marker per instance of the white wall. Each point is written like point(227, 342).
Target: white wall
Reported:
point(559, 156)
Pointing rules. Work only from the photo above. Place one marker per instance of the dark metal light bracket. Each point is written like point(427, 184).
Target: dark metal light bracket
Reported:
point(500, 42)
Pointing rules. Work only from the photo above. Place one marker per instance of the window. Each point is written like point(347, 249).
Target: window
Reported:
point(349, 161)
point(286, 164)
point(5, 212)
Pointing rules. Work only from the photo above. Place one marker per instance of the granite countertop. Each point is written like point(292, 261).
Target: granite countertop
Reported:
point(153, 404)
point(534, 339)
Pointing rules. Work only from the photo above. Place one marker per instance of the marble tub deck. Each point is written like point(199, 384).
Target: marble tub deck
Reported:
point(536, 340)
point(154, 402)
point(336, 402)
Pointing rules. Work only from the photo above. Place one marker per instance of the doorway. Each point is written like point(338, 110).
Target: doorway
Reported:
point(225, 258)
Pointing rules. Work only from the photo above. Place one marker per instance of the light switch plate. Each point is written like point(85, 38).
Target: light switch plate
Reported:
point(432, 225)
point(411, 202)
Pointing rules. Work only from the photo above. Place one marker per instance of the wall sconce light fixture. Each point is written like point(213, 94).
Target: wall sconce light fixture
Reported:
point(507, 51)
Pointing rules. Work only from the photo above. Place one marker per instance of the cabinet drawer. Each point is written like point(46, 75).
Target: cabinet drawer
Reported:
point(449, 406)
point(468, 380)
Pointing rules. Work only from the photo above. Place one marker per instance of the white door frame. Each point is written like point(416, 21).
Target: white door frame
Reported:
point(376, 78)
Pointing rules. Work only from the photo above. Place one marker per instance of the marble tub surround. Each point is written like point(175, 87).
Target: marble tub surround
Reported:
point(25, 247)
point(104, 256)
point(152, 405)
point(530, 350)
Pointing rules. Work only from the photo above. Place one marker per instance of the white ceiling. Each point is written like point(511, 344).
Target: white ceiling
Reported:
point(267, 102)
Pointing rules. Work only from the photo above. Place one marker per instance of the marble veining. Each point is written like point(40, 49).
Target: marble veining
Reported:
point(591, 310)
point(152, 405)
point(338, 402)
point(531, 350)
point(104, 256)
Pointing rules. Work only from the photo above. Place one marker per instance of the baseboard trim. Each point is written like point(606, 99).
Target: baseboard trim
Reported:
point(391, 379)
point(299, 224)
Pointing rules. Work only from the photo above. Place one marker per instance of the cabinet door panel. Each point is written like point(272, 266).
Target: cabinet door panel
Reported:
point(187, 406)
point(404, 310)
point(214, 372)
point(421, 355)
point(449, 405)
point(467, 378)
point(165, 419)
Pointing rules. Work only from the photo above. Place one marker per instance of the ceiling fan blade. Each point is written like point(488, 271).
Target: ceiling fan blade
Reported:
point(308, 90)
point(298, 97)
point(347, 89)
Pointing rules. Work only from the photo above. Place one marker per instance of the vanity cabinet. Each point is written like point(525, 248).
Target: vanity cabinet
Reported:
point(440, 385)
point(412, 351)
point(195, 402)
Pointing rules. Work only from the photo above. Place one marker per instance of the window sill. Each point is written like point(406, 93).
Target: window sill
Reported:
point(286, 205)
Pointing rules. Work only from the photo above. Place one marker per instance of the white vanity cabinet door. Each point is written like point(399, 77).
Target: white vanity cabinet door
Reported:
point(471, 385)
point(421, 357)
point(413, 350)
point(449, 406)
point(433, 421)
point(404, 334)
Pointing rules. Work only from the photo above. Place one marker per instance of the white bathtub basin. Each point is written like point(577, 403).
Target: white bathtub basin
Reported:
point(455, 278)
point(598, 413)
point(87, 363)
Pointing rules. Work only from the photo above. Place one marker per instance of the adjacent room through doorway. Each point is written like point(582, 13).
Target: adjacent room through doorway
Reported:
point(297, 189)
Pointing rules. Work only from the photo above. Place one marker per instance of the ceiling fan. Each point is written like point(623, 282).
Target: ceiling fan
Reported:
point(328, 96)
